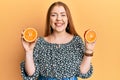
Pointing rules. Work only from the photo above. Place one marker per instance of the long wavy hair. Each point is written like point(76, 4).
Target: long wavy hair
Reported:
point(70, 26)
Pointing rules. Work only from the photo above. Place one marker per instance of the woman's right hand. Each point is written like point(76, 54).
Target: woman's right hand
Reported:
point(28, 46)
point(29, 62)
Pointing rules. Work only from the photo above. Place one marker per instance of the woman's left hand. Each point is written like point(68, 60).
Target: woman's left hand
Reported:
point(89, 46)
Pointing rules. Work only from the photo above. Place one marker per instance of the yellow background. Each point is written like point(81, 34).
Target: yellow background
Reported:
point(101, 15)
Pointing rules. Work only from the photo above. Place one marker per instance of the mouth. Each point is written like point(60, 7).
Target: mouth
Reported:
point(59, 24)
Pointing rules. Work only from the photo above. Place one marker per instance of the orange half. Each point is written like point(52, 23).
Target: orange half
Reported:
point(30, 34)
point(90, 35)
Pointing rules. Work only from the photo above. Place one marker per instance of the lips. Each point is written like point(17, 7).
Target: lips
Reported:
point(59, 24)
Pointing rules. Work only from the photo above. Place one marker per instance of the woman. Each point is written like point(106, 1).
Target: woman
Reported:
point(61, 54)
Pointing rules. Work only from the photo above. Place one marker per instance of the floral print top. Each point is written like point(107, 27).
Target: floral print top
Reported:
point(57, 60)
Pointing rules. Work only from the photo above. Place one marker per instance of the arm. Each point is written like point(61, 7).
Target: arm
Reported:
point(86, 62)
point(30, 67)
point(29, 63)
point(85, 67)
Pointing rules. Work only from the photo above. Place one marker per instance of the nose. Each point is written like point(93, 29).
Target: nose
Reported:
point(59, 17)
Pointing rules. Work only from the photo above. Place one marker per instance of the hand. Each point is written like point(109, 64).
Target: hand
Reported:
point(89, 47)
point(28, 46)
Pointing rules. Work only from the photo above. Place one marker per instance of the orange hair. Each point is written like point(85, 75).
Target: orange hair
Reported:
point(70, 27)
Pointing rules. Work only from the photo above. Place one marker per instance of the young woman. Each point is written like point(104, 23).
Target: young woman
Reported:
point(61, 53)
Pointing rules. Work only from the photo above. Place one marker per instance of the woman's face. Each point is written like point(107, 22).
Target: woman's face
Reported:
point(58, 19)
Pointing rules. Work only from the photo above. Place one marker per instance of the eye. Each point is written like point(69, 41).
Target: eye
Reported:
point(53, 15)
point(63, 15)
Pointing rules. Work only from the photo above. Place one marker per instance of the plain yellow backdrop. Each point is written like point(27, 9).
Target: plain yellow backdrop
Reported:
point(101, 15)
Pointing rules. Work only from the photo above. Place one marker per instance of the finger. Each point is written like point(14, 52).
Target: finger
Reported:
point(94, 42)
point(22, 39)
point(22, 33)
point(91, 42)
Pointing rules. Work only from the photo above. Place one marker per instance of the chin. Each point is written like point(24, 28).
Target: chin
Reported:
point(59, 30)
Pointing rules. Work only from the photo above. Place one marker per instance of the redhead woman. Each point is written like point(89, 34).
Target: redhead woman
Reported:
point(61, 54)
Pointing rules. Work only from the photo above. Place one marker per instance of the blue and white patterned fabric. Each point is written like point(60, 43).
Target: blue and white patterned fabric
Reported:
point(58, 62)
point(49, 78)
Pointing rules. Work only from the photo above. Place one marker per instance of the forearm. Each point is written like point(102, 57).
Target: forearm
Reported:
point(29, 63)
point(86, 62)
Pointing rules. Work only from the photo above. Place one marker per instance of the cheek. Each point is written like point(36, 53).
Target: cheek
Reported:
point(66, 21)
point(52, 20)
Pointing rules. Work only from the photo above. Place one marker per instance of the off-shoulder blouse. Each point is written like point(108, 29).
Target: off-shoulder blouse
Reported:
point(57, 60)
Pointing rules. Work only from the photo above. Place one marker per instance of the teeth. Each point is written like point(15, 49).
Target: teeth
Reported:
point(58, 24)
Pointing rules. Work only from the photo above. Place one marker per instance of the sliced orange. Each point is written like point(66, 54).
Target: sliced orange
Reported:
point(90, 35)
point(30, 34)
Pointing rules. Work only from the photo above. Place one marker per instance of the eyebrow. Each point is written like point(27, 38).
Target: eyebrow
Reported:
point(56, 12)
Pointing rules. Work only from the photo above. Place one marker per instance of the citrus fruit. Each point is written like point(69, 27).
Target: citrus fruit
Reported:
point(30, 34)
point(90, 35)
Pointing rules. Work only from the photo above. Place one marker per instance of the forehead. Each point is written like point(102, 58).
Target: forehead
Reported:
point(58, 9)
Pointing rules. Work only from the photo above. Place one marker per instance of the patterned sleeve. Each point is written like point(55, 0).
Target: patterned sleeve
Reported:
point(82, 50)
point(87, 75)
point(36, 61)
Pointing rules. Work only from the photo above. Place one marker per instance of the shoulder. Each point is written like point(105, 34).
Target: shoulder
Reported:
point(78, 38)
point(42, 40)
point(79, 44)
point(39, 40)
point(46, 38)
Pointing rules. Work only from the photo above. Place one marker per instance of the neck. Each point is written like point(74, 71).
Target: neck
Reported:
point(61, 35)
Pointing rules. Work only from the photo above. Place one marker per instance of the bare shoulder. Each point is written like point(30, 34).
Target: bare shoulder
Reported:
point(47, 38)
point(70, 36)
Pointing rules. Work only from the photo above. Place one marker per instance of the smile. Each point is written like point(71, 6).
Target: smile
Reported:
point(59, 24)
